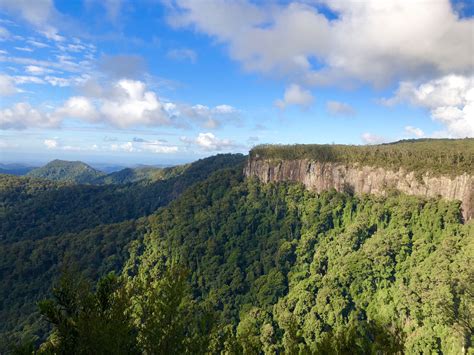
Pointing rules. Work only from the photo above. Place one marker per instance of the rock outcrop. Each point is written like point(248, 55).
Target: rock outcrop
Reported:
point(358, 179)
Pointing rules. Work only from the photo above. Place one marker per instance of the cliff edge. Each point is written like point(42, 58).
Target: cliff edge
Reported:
point(359, 178)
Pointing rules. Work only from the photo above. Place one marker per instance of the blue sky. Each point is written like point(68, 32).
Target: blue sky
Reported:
point(171, 81)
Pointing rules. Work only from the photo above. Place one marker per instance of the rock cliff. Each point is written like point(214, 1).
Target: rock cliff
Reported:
point(358, 179)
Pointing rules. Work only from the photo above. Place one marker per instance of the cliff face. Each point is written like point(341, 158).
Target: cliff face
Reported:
point(319, 177)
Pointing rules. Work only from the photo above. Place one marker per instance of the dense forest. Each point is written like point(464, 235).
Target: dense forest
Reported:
point(72, 171)
point(437, 156)
point(44, 224)
point(225, 264)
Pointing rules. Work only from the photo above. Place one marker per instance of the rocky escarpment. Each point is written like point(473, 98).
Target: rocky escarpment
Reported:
point(359, 179)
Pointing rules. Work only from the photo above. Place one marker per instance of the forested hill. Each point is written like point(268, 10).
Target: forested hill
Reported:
point(61, 170)
point(82, 173)
point(145, 174)
point(44, 223)
point(437, 156)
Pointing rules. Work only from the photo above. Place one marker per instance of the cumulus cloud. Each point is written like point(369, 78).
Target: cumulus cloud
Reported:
point(131, 104)
point(370, 138)
point(295, 95)
point(205, 116)
point(78, 107)
point(369, 41)
point(449, 99)
point(339, 108)
point(22, 115)
point(154, 146)
point(51, 143)
point(182, 54)
point(126, 103)
point(209, 142)
point(414, 132)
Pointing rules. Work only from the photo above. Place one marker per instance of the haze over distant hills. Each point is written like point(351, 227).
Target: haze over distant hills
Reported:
point(15, 169)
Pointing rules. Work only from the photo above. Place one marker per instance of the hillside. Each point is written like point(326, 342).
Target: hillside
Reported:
point(295, 271)
point(46, 224)
point(145, 174)
point(278, 269)
point(61, 170)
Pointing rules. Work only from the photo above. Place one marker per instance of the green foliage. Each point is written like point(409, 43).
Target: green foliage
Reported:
point(147, 316)
point(33, 209)
point(437, 156)
point(271, 269)
point(70, 171)
point(298, 272)
point(45, 224)
point(142, 174)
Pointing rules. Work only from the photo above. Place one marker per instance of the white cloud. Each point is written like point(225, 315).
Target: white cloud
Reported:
point(339, 108)
point(51, 143)
point(22, 116)
point(130, 104)
point(182, 54)
point(295, 95)
point(37, 44)
point(205, 116)
point(27, 79)
point(413, 131)
point(209, 142)
point(40, 13)
point(370, 138)
point(126, 103)
point(37, 70)
point(450, 100)
point(54, 143)
point(156, 146)
point(370, 41)
point(78, 107)
point(125, 147)
point(7, 85)
point(24, 49)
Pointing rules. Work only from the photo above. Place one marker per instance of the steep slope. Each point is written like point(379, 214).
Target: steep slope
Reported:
point(300, 272)
point(427, 168)
point(61, 170)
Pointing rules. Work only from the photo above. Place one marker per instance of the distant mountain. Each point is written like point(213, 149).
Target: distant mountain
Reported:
point(147, 173)
point(15, 169)
point(71, 171)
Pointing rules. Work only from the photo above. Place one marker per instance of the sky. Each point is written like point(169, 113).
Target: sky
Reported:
point(171, 81)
